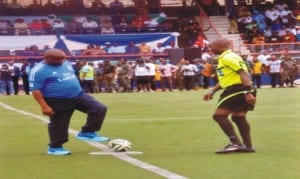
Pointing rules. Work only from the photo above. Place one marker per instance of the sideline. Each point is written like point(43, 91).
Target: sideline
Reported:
point(125, 157)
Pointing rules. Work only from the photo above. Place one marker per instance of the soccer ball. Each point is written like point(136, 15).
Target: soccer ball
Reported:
point(119, 145)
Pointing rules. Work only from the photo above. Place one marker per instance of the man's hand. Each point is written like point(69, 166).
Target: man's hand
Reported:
point(250, 98)
point(207, 96)
point(48, 111)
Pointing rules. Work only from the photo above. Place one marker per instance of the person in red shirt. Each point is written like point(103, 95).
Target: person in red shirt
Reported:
point(36, 27)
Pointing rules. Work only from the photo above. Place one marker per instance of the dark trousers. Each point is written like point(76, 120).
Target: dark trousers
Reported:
point(15, 80)
point(256, 78)
point(206, 82)
point(64, 108)
point(25, 83)
point(189, 82)
point(88, 86)
point(275, 77)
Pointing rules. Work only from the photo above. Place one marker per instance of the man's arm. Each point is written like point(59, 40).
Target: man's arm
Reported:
point(39, 97)
point(246, 82)
point(211, 92)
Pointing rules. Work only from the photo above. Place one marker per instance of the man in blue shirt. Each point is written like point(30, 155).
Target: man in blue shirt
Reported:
point(57, 90)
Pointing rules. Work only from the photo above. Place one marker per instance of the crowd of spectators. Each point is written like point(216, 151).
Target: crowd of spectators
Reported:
point(104, 23)
point(146, 74)
point(150, 74)
point(275, 23)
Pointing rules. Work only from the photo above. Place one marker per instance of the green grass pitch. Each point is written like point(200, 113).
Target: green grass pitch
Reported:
point(174, 130)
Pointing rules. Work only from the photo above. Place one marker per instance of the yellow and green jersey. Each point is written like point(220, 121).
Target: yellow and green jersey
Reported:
point(228, 65)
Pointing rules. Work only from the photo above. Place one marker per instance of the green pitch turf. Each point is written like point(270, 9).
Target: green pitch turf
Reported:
point(174, 130)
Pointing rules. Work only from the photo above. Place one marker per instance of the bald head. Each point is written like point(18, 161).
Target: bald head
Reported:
point(54, 56)
point(220, 45)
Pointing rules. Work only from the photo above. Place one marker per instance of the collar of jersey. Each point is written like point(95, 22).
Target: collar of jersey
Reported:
point(224, 53)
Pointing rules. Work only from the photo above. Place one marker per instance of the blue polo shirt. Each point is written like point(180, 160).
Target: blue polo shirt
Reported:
point(54, 81)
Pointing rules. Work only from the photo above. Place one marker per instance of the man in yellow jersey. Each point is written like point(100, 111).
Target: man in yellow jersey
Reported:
point(87, 77)
point(237, 98)
point(257, 70)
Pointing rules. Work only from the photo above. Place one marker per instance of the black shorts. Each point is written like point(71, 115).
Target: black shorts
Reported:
point(233, 98)
point(142, 79)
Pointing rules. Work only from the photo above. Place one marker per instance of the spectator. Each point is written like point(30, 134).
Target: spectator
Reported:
point(6, 84)
point(34, 8)
point(21, 27)
point(268, 32)
point(116, 19)
point(166, 73)
point(201, 41)
point(116, 49)
point(36, 27)
point(259, 39)
point(275, 38)
point(15, 74)
point(274, 71)
point(5, 29)
point(14, 7)
point(25, 69)
point(257, 70)
point(141, 73)
point(264, 57)
point(47, 27)
point(179, 76)
point(107, 46)
point(153, 6)
point(137, 23)
point(87, 77)
point(233, 25)
point(74, 27)
point(59, 27)
point(152, 73)
point(189, 71)
point(260, 20)
point(206, 72)
point(99, 77)
point(289, 70)
point(116, 6)
point(193, 33)
point(144, 48)
point(109, 77)
point(281, 6)
point(272, 15)
point(105, 22)
point(90, 26)
point(244, 21)
point(132, 48)
point(98, 6)
point(49, 7)
point(159, 48)
point(124, 76)
point(282, 31)
point(288, 37)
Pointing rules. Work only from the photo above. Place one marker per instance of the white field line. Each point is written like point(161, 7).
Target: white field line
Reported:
point(122, 156)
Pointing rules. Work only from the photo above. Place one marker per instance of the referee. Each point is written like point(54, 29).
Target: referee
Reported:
point(57, 90)
point(237, 99)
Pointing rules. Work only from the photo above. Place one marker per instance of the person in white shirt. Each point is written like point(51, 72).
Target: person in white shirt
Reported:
point(166, 73)
point(141, 73)
point(264, 58)
point(58, 27)
point(159, 48)
point(274, 71)
point(115, 48)
point(189, 71)
point(151, 73)
point(90, 26)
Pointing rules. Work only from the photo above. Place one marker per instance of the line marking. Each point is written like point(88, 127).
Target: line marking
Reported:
point(122, 156)
point(116, 153)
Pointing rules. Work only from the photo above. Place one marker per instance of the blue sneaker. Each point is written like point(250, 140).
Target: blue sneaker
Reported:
point(91, 136)
point(58, 151)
